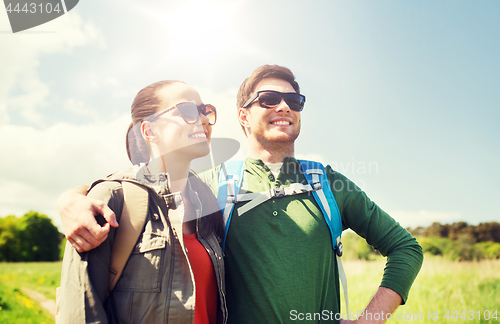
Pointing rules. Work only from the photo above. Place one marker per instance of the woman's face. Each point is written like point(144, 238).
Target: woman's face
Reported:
point(172, 134)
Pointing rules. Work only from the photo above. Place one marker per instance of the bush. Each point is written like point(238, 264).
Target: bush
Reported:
point(461, 249)
point(489, 250)
point(435, 245)
point(464, 249)
point(429, 246)
point(9, 239)
point(32, 237)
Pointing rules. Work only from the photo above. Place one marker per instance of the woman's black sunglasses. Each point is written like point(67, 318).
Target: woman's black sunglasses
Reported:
point(190, 112)
point(271, 99)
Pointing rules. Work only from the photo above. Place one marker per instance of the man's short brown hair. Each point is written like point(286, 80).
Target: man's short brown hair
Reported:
point(264, 72)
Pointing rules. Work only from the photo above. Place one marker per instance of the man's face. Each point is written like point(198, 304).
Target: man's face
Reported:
point(274, 125)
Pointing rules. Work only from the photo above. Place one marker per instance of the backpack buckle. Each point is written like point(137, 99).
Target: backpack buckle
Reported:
point(339, 249)
point(316, 186)
point(231, 199)
point(277, 192)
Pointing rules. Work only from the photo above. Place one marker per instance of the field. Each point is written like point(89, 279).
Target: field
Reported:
point(442, 286)
point(15, 305)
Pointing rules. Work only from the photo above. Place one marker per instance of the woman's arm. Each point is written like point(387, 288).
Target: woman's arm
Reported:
point(78, 213)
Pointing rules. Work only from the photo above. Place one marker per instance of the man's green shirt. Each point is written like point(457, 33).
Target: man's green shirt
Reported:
point(279, 256)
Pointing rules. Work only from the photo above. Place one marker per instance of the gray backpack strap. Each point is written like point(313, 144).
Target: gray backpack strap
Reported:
point(133, 217)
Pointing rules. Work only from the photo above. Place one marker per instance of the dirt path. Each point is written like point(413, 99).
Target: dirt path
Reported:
point(46, 303)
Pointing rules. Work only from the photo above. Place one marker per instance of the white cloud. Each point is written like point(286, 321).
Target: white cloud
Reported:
point(79, 107)
point(34, 94)
point(38, 165)
point(4, 116)
point(20, 59)
point(413, 218)
point(4, 21)
point(18, 198)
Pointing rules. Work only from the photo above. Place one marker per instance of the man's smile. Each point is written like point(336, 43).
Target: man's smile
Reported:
point(281, 122)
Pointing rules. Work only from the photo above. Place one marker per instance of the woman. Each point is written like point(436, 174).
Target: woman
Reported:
point(175, 272)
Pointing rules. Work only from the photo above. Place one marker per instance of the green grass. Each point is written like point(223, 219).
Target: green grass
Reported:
point(15, 306)
point(441, 286)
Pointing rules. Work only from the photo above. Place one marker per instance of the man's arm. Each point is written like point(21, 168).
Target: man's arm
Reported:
point(78, 213)
point(404, 254)
point(383, 303)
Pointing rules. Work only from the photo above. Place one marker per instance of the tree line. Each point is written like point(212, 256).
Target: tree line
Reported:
point(458, 241)
point(484, 232)
point(32, 237)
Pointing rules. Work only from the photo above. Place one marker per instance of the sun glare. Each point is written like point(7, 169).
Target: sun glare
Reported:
point(201, 31)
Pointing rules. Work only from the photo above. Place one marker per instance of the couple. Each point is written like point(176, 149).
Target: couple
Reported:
point(279, 260)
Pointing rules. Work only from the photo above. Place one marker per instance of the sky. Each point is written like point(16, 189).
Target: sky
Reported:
point(401, 96)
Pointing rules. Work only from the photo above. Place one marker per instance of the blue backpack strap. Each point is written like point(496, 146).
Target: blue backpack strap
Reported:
point(315, 174)
point(230, 178)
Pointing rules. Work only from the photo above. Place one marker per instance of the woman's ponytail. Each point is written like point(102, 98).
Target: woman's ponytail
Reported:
point(137, 149)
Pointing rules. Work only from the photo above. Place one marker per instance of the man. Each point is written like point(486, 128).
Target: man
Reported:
point(279, 256)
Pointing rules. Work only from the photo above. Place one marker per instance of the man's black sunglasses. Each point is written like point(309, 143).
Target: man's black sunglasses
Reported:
point(271, 99)
point(190, 112)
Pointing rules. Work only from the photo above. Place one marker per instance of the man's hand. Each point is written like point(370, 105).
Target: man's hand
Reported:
point(78, 217)
point(384, 302)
